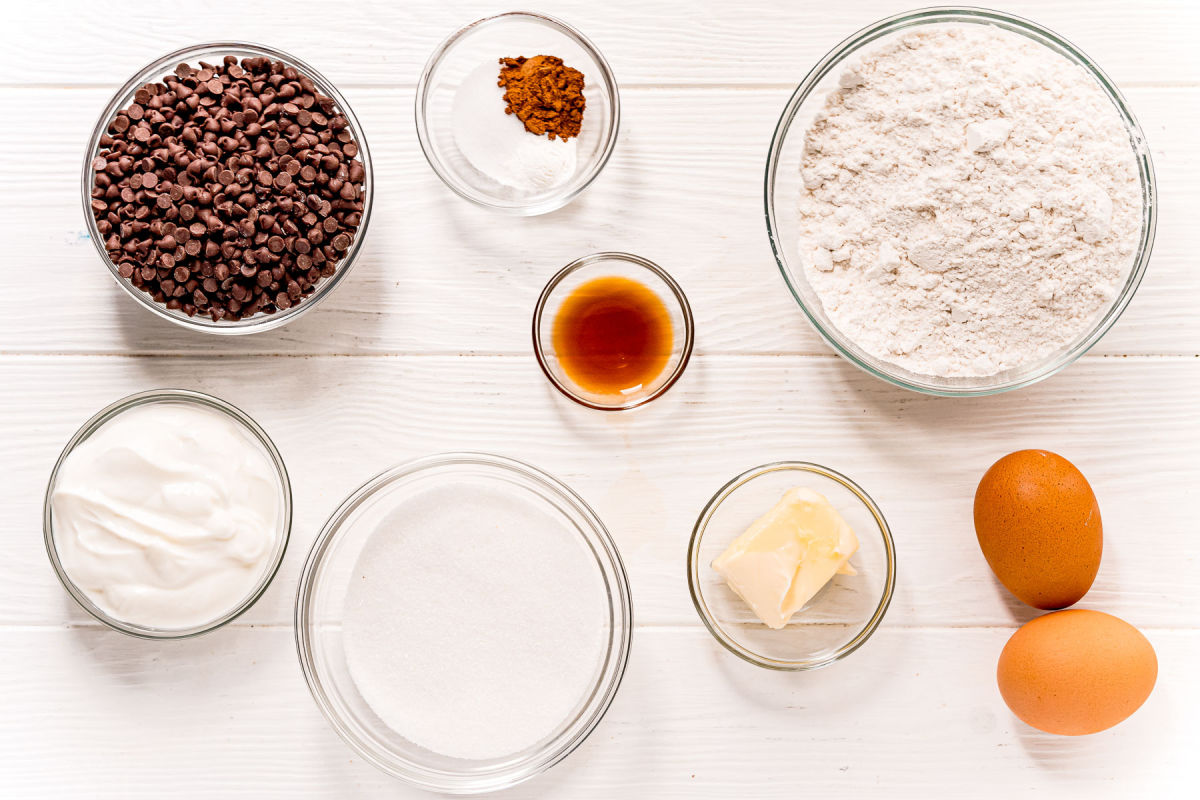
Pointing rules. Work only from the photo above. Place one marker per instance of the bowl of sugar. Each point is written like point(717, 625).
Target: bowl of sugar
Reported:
point(518, 112)
point(463, 622)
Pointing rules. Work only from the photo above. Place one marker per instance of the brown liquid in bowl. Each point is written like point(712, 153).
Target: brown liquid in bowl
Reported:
point(613, 335)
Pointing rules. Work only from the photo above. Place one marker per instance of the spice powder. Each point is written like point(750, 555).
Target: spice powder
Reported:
point(546, 95)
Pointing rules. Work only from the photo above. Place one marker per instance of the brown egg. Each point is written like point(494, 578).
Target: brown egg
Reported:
point(1075, 672)
point(1039, 527)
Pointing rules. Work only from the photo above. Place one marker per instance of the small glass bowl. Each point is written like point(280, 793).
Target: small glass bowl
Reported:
point(603, 265)
point(186, 397)
point(213, 52)
point(840, 618)
point(320, 602)
point(783, 186)
point(517, 33)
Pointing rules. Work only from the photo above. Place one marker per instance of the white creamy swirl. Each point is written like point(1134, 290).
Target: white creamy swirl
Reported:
point(168, 515)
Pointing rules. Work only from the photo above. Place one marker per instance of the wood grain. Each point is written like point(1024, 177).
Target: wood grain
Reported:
point(439, 275)
point(911, 714)
point(425, 349)
point(339, 421)
point(84, 42)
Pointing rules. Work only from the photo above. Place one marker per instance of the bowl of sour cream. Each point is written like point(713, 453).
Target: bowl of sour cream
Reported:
point(167, 514)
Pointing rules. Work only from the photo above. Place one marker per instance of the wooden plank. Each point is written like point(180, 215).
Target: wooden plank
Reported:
point(83, 42)
point(338, 421)
point(440, 275)
point(914, 713)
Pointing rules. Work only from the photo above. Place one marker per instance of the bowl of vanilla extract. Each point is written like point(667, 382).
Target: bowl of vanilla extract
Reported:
point(612, 331)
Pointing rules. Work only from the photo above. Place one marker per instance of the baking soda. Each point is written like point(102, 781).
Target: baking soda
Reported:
point(476, 621)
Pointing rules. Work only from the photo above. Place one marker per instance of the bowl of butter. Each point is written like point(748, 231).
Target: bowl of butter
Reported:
point(791, 566)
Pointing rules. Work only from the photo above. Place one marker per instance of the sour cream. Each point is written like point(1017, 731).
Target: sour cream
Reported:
point(168, 516)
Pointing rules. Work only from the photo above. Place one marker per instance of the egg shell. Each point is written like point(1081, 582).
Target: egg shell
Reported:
point(1038, 524)
point(1076, 672)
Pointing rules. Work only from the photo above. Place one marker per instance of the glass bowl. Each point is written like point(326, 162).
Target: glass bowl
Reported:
point(322, 594)
point(840, 618)
point(213, 52)
point(783, 186)
point(603, 265)
point(517, 33)
point(182, 396)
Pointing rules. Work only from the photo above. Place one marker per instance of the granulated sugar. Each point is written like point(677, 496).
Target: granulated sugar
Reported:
point(476, 621)
point(971, 202)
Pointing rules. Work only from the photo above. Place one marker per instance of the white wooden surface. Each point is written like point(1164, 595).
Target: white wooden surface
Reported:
point(425, 349)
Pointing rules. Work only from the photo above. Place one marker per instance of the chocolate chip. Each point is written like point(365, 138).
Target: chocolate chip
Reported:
point(209, 193)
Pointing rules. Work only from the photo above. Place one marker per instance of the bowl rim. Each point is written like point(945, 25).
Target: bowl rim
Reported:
point(583, 262)
point(932, 385)
point(155, 71)
point(607, 683)
point(110, 412)
point(697, 594)
point(546, 204)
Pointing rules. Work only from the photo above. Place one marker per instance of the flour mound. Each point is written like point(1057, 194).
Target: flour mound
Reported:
point(971, 202)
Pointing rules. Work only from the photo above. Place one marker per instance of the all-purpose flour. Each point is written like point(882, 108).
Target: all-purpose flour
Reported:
point(971, 201)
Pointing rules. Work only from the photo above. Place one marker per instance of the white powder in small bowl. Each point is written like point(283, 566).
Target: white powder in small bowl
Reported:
point(971, 201)
point(476, 620)
point(497, 144)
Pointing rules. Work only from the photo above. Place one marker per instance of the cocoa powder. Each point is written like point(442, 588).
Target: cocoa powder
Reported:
point(546, 95)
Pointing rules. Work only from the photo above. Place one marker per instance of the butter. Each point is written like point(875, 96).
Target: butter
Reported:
point(788, 555)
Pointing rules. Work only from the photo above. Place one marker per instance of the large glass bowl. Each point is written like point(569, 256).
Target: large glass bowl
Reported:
point(784, 184)
point(213, 52)
point(321, 599)
point(185, 397)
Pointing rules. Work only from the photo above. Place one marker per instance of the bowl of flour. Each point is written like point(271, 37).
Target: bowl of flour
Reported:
point(960, 201)
point(463, 622)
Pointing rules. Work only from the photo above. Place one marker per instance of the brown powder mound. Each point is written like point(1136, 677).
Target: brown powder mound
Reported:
point(544, 94)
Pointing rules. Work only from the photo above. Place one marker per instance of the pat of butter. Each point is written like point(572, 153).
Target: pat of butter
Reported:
point(788, 555)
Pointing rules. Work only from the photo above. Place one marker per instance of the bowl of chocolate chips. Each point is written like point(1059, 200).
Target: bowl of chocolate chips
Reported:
point(228, 187)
